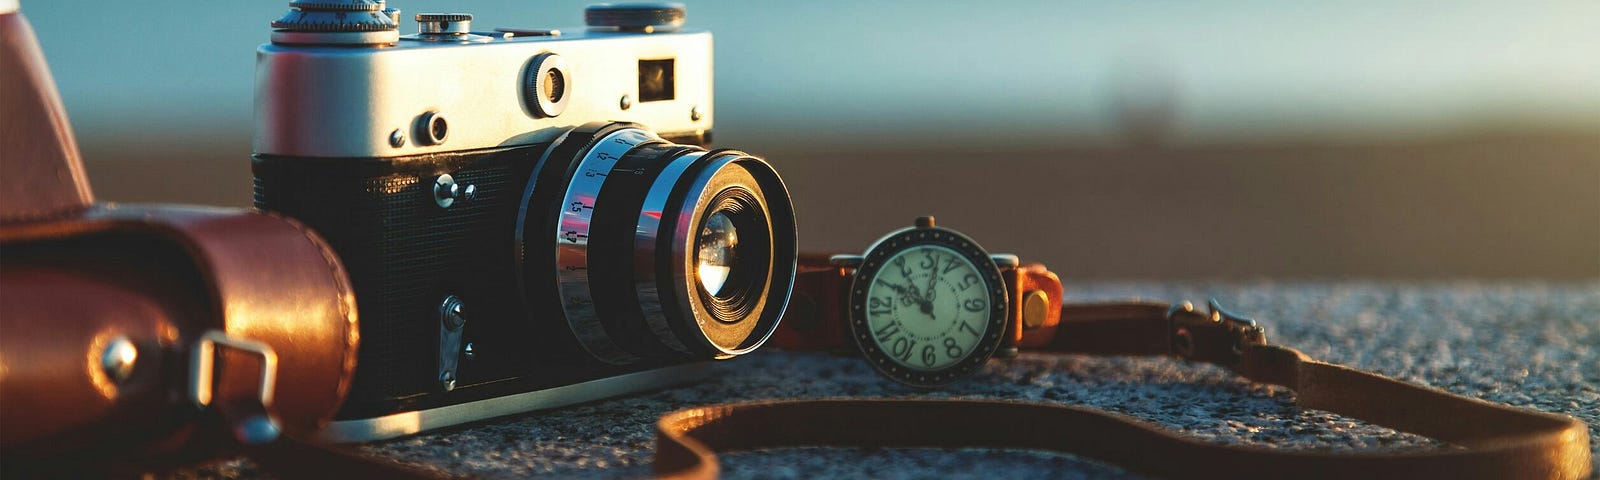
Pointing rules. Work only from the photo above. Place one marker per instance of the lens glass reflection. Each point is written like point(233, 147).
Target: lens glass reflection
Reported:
point(718, 248)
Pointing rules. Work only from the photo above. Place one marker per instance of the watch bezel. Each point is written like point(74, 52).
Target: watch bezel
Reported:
point(872, 264)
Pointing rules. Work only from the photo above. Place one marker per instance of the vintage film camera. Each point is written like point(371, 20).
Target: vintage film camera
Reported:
point(512, 243)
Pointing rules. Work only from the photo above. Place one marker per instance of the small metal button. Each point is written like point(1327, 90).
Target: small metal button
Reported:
point(118, 359)
point(1035, 309)
point(446, 191)
point(450, 313)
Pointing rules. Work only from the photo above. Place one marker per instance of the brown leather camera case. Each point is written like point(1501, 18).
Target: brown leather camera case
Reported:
point(77, 277)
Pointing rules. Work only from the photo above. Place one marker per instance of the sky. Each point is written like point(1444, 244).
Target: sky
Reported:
point(864, 72)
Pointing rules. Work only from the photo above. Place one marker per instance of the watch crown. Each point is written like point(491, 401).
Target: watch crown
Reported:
point(846, 261)
point(1005, 260)
point(925, 222)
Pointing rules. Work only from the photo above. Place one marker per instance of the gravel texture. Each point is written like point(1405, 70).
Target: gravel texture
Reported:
point(1534, 345)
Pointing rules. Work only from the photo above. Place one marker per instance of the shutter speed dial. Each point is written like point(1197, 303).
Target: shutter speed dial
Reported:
point(337, 22)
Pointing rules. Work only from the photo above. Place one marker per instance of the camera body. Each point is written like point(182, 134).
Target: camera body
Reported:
point(525, 214)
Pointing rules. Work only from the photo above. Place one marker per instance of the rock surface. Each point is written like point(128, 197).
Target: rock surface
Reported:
point(1533, 345)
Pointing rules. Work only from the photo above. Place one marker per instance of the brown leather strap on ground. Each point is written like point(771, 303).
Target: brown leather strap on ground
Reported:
point(1492, 440)
point(1489, 440)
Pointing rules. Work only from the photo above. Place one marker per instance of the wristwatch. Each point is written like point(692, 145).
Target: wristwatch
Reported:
point(925, 305)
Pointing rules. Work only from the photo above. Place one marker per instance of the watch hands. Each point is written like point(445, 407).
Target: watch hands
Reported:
point(927, 300)
point(903, 291)
point(911, 292)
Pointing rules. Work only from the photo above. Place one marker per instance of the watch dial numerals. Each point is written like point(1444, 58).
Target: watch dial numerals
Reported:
point(886, 332)
point(880, 305)
point(968, 280)
point(901, 347)
point(975, 305)
point(928, 307)
point(952, 265)
point(952, 348)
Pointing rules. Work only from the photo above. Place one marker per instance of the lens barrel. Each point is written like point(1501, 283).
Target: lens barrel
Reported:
point(611, 228)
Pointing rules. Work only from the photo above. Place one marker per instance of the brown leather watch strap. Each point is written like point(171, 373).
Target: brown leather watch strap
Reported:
point(816, 318)
point(1493, 441)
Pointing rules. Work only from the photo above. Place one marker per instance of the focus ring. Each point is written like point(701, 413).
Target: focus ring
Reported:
point(636, 324)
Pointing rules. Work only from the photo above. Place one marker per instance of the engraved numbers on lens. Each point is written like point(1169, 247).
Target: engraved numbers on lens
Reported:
point(929, 309)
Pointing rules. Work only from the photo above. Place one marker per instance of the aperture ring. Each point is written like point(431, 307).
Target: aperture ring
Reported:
point(572, 242)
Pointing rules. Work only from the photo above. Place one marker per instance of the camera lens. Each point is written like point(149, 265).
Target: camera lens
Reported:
point(647, 249)
point(736, 209)
point(718, 243)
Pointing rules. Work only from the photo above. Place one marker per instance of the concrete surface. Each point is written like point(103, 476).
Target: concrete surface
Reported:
point(1534, 345)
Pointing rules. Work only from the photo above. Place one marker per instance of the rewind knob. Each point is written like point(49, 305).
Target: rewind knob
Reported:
point(337, 22)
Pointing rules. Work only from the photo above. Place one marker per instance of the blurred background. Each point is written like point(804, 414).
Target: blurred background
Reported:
point(1111, 140)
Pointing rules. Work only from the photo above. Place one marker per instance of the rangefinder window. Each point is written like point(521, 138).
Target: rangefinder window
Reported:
point(655, 80)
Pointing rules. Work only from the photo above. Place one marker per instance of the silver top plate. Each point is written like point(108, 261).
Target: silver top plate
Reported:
point(347, 102)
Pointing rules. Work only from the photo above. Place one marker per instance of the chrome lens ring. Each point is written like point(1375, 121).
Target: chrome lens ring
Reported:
point(646, 238)
point(606, 238)
point(572, 242)
point(713, 175)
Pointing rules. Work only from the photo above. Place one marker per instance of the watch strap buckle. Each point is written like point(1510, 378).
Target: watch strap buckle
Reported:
point(1215, 336)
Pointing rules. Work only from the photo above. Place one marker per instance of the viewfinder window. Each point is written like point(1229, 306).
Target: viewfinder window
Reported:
point(655, 80)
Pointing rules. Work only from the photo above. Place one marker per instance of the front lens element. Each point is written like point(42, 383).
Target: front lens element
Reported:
point(718, 249)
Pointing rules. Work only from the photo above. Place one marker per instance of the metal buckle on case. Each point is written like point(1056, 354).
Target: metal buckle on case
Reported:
point(201, 381)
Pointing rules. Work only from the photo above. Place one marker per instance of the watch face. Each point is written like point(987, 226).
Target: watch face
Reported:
point(927, 306)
